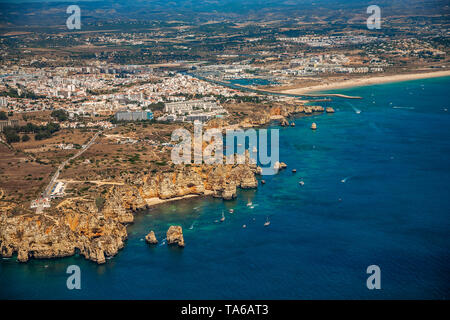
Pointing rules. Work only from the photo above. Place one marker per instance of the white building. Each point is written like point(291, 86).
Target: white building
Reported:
point(58, 190)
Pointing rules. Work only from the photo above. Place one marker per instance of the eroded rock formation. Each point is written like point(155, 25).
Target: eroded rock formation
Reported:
point(151, 238)
point(175, 236)
point(77, 225)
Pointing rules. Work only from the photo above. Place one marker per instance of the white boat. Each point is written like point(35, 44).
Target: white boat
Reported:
point(345, 179)
point(255, 150)
point(267, 223)
point(357, 111)
point(231, 210)
point(223, 217)
point(249, 204)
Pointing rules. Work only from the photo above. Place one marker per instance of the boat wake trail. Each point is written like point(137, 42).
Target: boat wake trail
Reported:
point(357, 111)
point(345, 179)
point(409, 108)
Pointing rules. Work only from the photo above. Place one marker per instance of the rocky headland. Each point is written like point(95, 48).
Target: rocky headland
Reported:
point(79, 225)
point(280, 114)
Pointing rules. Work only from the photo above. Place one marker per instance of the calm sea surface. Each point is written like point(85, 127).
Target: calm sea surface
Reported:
point(376, 191)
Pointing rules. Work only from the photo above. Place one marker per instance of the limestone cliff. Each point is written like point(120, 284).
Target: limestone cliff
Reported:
point(74, 227)
point(263, 117)
point(77, 225)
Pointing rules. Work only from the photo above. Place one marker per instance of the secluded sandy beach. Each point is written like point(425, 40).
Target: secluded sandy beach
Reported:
point(367, 81)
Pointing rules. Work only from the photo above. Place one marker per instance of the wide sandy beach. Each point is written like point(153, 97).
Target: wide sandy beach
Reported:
point(367, 81)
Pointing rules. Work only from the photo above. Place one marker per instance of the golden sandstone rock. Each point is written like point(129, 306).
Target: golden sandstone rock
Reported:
point(22, 255)
point(151, 238)
point(284, 122)
point(175, 236)
point(280, 165)
point(77, 225)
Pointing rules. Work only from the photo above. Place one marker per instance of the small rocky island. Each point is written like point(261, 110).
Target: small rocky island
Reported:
point(151, 238)
point(175, 236)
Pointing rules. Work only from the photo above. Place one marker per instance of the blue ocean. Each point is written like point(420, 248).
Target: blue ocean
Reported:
point(376, 182)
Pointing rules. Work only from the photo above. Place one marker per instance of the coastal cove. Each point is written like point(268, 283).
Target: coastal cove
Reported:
point(375, 191)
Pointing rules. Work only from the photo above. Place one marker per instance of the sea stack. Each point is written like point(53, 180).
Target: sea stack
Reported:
point(279, 165)
point(314, 126)
point(151, 238)
point(175, 236)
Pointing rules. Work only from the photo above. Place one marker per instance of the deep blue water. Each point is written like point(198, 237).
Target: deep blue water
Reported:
point(392, 211)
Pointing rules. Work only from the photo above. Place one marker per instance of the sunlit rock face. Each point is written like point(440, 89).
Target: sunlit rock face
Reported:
point(76, 225)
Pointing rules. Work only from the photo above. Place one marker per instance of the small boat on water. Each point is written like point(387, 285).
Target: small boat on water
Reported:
point(301, 183)
point(244, 226)
point(267, 223)
point(314, 126)
point(263, 181)
point(255, 150)
point(231, 210)
point(223, 217)
point(249, 204)
point(345, 180)
point(294, 170)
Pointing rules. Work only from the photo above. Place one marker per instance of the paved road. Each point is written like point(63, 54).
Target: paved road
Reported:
point(55, 177)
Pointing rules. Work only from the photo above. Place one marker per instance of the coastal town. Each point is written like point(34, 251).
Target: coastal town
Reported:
point(86, 118)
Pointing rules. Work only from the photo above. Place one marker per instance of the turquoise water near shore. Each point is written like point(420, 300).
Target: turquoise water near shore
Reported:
point(376, 191)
